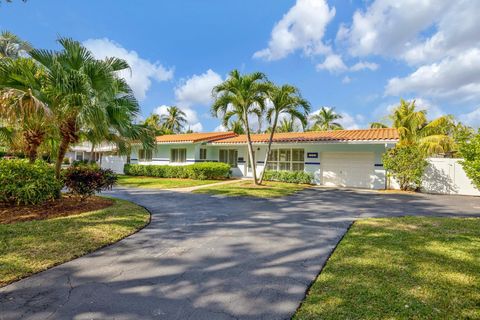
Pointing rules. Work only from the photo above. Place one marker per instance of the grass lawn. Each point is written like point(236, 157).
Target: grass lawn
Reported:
point(269, 189)
point(401, 268)
point(160, 183)
point(33, 246)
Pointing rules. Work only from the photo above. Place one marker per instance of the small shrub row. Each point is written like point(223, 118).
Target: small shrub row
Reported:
point(197, 171)
point(298, 177)
point(86, 180)
point(23, 183)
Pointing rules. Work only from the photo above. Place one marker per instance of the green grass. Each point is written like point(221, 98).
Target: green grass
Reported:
point(30, 247)
point(160, 183)
point(244, 188)
point(401, 268)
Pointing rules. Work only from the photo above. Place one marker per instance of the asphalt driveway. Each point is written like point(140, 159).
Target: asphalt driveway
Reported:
point(207, 257)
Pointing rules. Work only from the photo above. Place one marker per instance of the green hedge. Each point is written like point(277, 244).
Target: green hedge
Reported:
point(289, 176)
point(197, 171)
point(25, 183)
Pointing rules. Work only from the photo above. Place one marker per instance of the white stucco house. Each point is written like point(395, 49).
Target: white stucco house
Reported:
point(346, 158)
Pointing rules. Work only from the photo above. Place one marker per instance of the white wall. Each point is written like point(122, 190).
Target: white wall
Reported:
point(113, 162)
point(446, 176)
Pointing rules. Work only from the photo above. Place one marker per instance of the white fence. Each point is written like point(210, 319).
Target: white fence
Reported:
point(113, 162)
point(446, 176)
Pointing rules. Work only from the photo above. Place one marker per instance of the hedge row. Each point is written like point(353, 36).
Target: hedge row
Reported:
point(299, 177)
point(197, 171)
point(23, 183)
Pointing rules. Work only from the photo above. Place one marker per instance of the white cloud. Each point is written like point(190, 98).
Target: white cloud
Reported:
point(382, 112)
point(220, 128)
point(333, 63)
point(350, 122)
point(197, 90)
point(346, 80)
point(142, 71)
point(456, 77)
point(362, 65)
point(472, 118)
point(191, 116)
point(301, 28)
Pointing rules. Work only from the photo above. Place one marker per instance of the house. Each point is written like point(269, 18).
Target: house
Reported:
point(347, 158)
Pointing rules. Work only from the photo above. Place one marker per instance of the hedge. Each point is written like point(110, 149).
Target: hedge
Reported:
point(25, 183)
point(197, 171)
point(298, 177)
point(88, 179)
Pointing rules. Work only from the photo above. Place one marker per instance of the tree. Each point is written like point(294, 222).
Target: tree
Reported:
point(286, 125)
point(11, 45)
point(174, 120)
point(470, 151)
point(236, 126)
point(284, 100)
point(23, 103)
point(325, 119)
point(414, 128)
point(241, 96)
point(83, 92)
point(406, 163)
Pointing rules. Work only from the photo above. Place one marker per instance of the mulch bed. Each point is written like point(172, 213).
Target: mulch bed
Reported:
point(65, 206)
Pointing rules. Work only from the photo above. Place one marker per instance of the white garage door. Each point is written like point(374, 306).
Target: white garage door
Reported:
point(348, 169)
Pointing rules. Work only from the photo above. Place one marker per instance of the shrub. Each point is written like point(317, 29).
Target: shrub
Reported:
point(86, 180)
point(197, 171)
point(25, 183)
point(470, 151)
point(407, 165)
point(289, 176)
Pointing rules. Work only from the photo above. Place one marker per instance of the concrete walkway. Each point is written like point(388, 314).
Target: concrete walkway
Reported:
point(204, 257)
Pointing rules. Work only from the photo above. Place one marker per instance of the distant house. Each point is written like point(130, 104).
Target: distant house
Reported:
point(347, 158)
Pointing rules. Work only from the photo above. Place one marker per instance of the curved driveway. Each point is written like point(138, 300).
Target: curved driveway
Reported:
point(207, 257)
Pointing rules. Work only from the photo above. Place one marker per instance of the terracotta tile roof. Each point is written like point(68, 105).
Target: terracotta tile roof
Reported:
point(194, 137)
point(382, 134)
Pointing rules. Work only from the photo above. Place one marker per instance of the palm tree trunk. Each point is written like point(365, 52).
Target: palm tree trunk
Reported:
point(92, 153)
point(62, 150)
point(69, 134)
point(250, 151)
point(269, 147)
point(33, 140)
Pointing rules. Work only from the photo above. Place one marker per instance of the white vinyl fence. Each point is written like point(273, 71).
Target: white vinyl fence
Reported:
point(446, 176)
point(113, 162)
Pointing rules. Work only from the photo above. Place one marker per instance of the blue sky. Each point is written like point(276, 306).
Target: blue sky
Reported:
point(359, 57)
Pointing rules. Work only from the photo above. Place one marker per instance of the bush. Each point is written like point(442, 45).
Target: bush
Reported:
point(25, 183)
point(197, 171)
point(298, 177)
point(86, 180)
point(470, 151)
point(407, 165)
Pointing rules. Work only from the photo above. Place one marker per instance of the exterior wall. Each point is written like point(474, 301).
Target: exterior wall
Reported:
point(446, 176)
point(161, 154)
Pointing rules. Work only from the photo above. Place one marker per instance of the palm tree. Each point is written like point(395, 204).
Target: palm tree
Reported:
point(414, 128)
point(82, 91)
point(236, 126)
point(23, 104)
point(154, 122)
point(11, 45)
point(241, 96)
point(284, 100)
point(174, 120)
point(325, 119)
point(286, 125)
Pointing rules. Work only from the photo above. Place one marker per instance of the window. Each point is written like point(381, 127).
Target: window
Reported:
point(229, 156)
point(203, 154)
point(178, 155)
point(286, 159)
point(79, 156)
point(144, 155)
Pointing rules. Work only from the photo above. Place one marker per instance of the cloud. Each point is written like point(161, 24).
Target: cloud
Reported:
point(472, 118)
point(301, 28)
point(351, 122)
point(362, 65)
point(142, 71)
point(197, 90)
point(382, 112)
point(333, 63)
point(191, 116)
point(346, 80)
point(454, 77)
point(220, 128)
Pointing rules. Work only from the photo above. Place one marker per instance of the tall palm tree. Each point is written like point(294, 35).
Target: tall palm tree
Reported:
point(285, 99)
point(11, 45)
point(414, 128)
point(286, 125)
point(236, 126)
point(239, 97)
point(174, 120)
point(23, 104)
point(82, 91)
point(325, 119)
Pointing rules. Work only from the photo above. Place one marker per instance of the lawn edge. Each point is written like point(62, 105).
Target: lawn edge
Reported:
point(322, 267)
point(90, 252)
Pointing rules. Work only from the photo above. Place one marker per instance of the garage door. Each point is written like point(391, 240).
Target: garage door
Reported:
point(348, 169)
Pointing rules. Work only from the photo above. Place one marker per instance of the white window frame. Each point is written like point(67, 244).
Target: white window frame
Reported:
point(274, 162)
point(145, 155)
point(203, 156)
point(175, 155)
point(231, 157)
